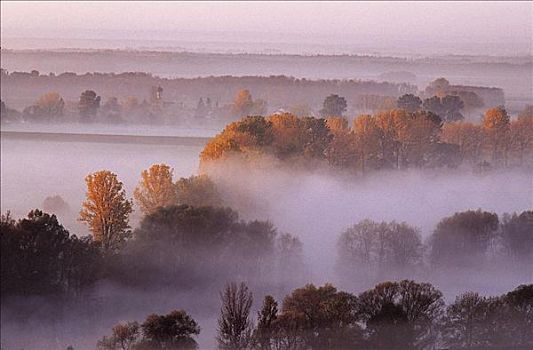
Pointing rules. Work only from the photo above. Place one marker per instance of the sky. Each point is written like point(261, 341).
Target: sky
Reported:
point(364, 22)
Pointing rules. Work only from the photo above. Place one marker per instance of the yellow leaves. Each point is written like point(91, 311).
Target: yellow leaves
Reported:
point(155, 189)
point(106, 209)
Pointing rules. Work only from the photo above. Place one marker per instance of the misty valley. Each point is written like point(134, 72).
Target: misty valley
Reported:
point(276, 195)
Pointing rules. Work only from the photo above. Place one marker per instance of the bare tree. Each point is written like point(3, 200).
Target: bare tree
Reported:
point(234, 324)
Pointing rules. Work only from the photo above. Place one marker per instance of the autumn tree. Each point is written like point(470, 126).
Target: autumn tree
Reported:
point(323, 317)
point(156, 188)
point(48, 107)
point(521, 136)
point(409, 102)
point(244, 105)
point(175, 330)
point(368, 141)
point(463, 238)
point(124, 336)
point(496, 125)
point(89, 104)
point(106, 210)
point(416, 134)
point(342, 149)
point(247, 136)
point(333, 106)
point(197, 191)
point(469, 138)
point(234, 324)
point(288, 133)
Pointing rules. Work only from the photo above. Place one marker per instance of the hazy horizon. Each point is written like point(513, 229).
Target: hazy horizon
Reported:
point(497, 28)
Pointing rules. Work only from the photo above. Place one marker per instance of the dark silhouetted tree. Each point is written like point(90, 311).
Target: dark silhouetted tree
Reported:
point(333, 106)
point(234, 324)
point(409, 102)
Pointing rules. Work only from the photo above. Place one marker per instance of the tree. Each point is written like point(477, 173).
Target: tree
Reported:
point(156, 188)
point(467, 323)
point(175, 330)
point(409, 102)
point(520, 304)
point(496, 125)
point(521, 135)
point(89, 104)
point(106, 210)
point(40, 257)
point(517, 235)
point(434, 105)
point(333, 106)
point(124, 336)
point(197, 191)
point(266, 318)
point(51, 105)
point(416, 134)
point(244, 105)
point(438, 87)
point(463, 238)
point(452, 106)
point(322, 317)
point(234, 324)
point(291, 266)
point(368, 141)
point(112, 110)
point(407, 310)
point(55, 204)
point(376, 248)
point(469, 138)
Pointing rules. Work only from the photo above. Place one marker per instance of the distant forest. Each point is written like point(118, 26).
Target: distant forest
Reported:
point(147, 99)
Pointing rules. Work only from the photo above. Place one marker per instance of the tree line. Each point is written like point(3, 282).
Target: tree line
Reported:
point(391, 315)
point(472, 240)
point(392, 139)
point(187, 233)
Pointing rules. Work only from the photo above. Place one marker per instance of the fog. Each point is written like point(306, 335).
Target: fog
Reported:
point(362, 27)
point(90, 86)
point(315, 206)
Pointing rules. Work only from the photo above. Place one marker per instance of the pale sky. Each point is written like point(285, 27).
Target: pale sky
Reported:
point(364, 21)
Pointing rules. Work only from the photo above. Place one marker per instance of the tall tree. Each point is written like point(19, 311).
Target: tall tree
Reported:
point(467, 323)
point(496, 124)
point(463, 238)
point(266, 319)
point(106, 210)
point(333, 106)
point(234, 323)
point(89, 104)
point(368, 141)
point(156, 188)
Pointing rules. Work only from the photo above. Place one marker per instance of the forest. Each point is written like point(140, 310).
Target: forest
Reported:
point(210, 233)
point(189, 239)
